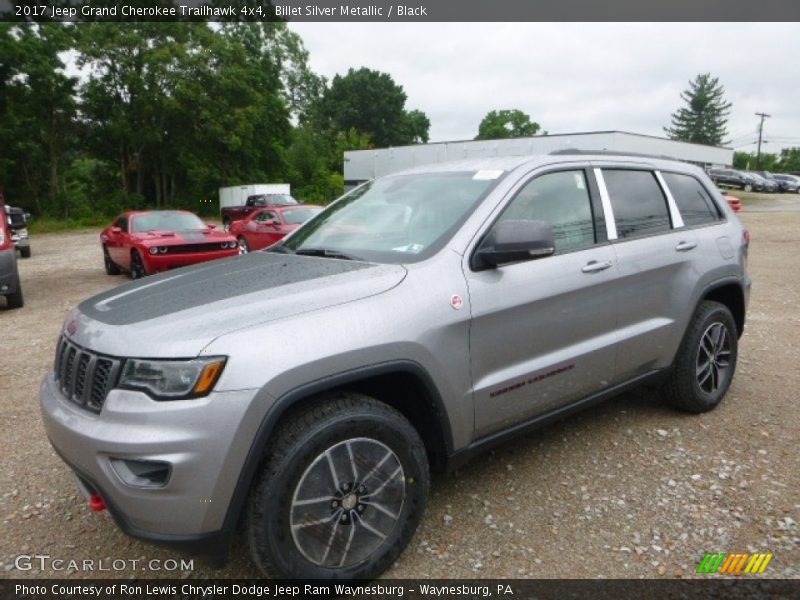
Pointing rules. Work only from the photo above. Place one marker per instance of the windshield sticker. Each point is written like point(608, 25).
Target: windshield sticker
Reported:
point(488, 174)
point(579, 181)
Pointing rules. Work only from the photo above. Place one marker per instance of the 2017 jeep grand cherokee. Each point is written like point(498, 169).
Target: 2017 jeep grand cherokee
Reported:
point(305, 392)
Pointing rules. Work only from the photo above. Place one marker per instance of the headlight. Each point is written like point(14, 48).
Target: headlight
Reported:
point(172, 379)
point(153, 250)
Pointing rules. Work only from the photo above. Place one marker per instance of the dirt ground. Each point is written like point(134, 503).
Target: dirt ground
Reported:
point(628, 489)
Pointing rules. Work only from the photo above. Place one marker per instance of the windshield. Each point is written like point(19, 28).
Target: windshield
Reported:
point(166, 221)
point(272, 200)
point(396, 219)
point(295, 216)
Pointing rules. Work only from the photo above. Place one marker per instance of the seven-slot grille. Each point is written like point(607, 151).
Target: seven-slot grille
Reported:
point(84, 377)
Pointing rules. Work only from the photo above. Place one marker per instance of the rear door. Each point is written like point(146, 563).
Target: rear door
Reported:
point(656, 256)
point(543, 331)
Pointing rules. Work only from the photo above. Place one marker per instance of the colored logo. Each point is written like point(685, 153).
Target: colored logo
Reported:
point(734, 563)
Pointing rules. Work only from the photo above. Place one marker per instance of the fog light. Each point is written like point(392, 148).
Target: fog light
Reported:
point(142, 473)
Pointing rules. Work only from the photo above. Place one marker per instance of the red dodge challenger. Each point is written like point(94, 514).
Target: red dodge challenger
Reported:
point(269, 225)
point(146, 242)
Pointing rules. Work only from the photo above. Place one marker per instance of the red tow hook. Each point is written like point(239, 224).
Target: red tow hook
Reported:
point(96, 503)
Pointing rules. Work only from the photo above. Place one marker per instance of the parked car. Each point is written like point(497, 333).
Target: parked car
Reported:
point(147, 242)
point(788, 183)
point(307, 391)
point(231, 214)
point(731, 178)
point(18, 222)
point(10, 286)
point(269, 225)
point(734, 202)
point(761, 183)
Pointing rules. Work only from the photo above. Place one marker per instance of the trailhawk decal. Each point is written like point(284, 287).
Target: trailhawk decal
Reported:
point(535, 379)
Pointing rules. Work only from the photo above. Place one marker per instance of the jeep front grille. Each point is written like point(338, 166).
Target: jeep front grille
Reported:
point(84, 377)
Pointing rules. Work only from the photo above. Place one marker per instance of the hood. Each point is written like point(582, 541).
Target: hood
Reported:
point(176, 314)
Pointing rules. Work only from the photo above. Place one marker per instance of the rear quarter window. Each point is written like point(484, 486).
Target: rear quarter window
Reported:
point(694, 202)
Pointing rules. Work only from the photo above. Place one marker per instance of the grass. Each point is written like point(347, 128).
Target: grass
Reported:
point(51, 225)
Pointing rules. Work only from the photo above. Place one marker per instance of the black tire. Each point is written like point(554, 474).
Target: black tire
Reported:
point(15, 300)
point(289, 541)
point(110, 265)
point(244, 247)
point(25, 251)
point(691, 386)
point(137, 266)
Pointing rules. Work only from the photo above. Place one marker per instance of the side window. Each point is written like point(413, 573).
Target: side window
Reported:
point(266, 216)
point(122, 223)
point(562, 200)
point(639, 205)
point(694, 202)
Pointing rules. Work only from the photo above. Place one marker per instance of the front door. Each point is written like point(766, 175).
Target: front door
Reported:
point(543, 331)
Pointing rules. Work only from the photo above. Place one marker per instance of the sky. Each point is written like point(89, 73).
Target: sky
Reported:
point(573, 77)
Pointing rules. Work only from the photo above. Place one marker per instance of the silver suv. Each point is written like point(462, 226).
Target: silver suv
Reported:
point(304, 393)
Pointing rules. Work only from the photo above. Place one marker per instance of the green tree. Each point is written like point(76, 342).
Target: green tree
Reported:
point(502, 124)
point(37, 115)
point(374, 105)
point(704, 118)
point(789, 159)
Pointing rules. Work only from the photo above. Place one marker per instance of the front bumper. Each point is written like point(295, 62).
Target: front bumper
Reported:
point(198, 438)
point(157, 263)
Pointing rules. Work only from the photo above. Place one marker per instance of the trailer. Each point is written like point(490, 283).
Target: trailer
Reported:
point(236, 195)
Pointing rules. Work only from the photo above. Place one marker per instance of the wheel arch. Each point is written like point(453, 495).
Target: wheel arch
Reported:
point(393, 383)
point(730, 294)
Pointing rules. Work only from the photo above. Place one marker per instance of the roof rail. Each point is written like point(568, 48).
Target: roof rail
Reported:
point(612, 153)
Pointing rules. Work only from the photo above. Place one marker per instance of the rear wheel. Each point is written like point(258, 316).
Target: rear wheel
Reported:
point(244, 248)
point(110, 265)
point(137, 266)
point(343, 491)
point(704, 368)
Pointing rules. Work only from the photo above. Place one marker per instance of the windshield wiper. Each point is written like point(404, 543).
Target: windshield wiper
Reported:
point(326, 253)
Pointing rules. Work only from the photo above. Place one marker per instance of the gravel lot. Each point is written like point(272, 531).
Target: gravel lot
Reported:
point(627, 489)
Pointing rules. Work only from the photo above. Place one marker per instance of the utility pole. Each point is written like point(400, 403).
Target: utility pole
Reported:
point(760, 131)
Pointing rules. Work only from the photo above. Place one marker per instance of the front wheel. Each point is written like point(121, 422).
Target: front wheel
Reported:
point(110, 265)
point(704, 368)
point(747, 187)
point(244, 248)
point(137, 266)
point(342, 493)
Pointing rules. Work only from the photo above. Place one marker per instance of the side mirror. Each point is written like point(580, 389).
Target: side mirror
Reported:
point(211, 226)
point(272, 222)
point(516, 241)
point(116, 230)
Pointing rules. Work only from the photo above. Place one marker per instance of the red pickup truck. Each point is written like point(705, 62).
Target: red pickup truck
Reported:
point(252, 204)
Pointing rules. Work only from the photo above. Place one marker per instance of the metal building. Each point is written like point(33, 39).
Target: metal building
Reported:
point(363, 165)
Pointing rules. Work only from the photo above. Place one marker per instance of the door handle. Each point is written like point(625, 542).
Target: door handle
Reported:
point(686, 246)
point(593, 266)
